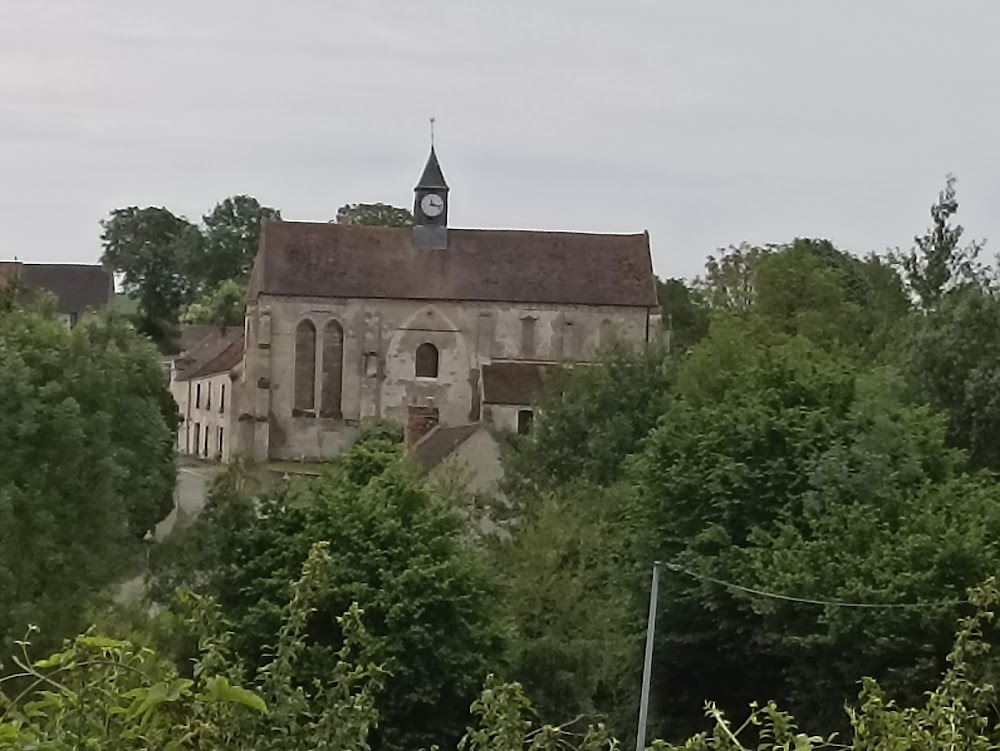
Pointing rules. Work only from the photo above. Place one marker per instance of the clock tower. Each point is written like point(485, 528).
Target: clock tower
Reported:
point(430, 207)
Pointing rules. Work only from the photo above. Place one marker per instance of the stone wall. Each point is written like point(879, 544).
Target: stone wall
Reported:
point(476, 461)
point(206, 408)
point(378, 343)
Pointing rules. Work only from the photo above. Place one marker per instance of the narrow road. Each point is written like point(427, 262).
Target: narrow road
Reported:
point(189, 497)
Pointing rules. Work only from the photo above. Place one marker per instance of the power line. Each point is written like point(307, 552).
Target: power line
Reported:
point(676, 567)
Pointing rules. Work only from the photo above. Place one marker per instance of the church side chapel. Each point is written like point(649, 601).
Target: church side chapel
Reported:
point(447, 331)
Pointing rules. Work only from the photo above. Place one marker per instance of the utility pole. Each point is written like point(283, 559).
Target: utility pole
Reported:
point(647, 666)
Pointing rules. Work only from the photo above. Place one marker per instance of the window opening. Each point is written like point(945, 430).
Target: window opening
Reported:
point(333, 369)
point(305, 366)
point(427, 361)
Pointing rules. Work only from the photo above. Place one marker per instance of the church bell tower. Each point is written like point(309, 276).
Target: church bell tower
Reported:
point(430, 207)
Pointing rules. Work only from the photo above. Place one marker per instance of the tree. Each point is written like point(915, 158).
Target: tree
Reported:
point(798, 294)
point(111, 693)
point(685, 315)
point(729, 280)
point(224, 305)
point(153, 250)
point(781, 467)
point(811, 288)
point(938, 263)
point(86, 462)
point(232, 237)
point(395, 551)
point(952, 358)
point(374, 215)
point(572, 642)
point(591, 418)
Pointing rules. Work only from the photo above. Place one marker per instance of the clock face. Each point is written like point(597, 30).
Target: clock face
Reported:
point(432, 204)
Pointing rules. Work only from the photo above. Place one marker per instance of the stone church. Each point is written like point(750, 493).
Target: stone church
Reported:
point(432, 326)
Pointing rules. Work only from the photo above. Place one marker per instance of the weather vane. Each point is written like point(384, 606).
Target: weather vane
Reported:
point(432, 132)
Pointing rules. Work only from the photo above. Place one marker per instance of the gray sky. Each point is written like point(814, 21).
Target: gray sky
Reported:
point(707, 123)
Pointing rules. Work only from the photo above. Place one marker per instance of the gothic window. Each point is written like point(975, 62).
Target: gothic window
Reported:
point(427, 361)
point(197, 397)
point(305, 366)
point(528, 337)
point(333, 369)
point(222, 398)
point(524, 419)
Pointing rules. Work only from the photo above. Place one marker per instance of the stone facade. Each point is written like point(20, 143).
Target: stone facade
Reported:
point(205, 406)
point(202, 382)
point(377, 343)
point(347, 324)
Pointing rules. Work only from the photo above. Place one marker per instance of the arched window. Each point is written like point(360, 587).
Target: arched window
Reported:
point(305, 366)
point(333, 369)
point(427, 361)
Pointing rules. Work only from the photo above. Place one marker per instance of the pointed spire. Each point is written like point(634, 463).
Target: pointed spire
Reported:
point(432, 176)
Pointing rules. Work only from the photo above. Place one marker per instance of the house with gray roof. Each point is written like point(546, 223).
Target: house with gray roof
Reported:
point(79, 289)
point(201, 378)
point(351, 323)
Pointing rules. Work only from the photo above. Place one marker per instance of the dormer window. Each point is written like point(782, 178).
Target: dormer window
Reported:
point(427, 361)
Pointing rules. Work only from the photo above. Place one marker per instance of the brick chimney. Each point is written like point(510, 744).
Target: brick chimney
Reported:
point(420, 420)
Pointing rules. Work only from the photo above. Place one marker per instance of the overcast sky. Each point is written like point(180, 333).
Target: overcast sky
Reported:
point(707, 123)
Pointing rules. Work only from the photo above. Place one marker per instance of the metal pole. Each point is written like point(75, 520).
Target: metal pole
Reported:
point(647, 666)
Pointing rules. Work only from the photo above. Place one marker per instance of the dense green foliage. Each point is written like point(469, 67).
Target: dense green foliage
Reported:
point(167, 263)
point(393, 548)
point(231, 234)
point(818, 437)
point(808, 449)
point(595, 418)
point(952, 357)
point(685, 314)
point(791, 470)
point(224, 305)
point(374, 215)
point(179, 271)
point(106, 693)
point(937, 263)
point(571, 639)
point(153, 250)
point(86, 462)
